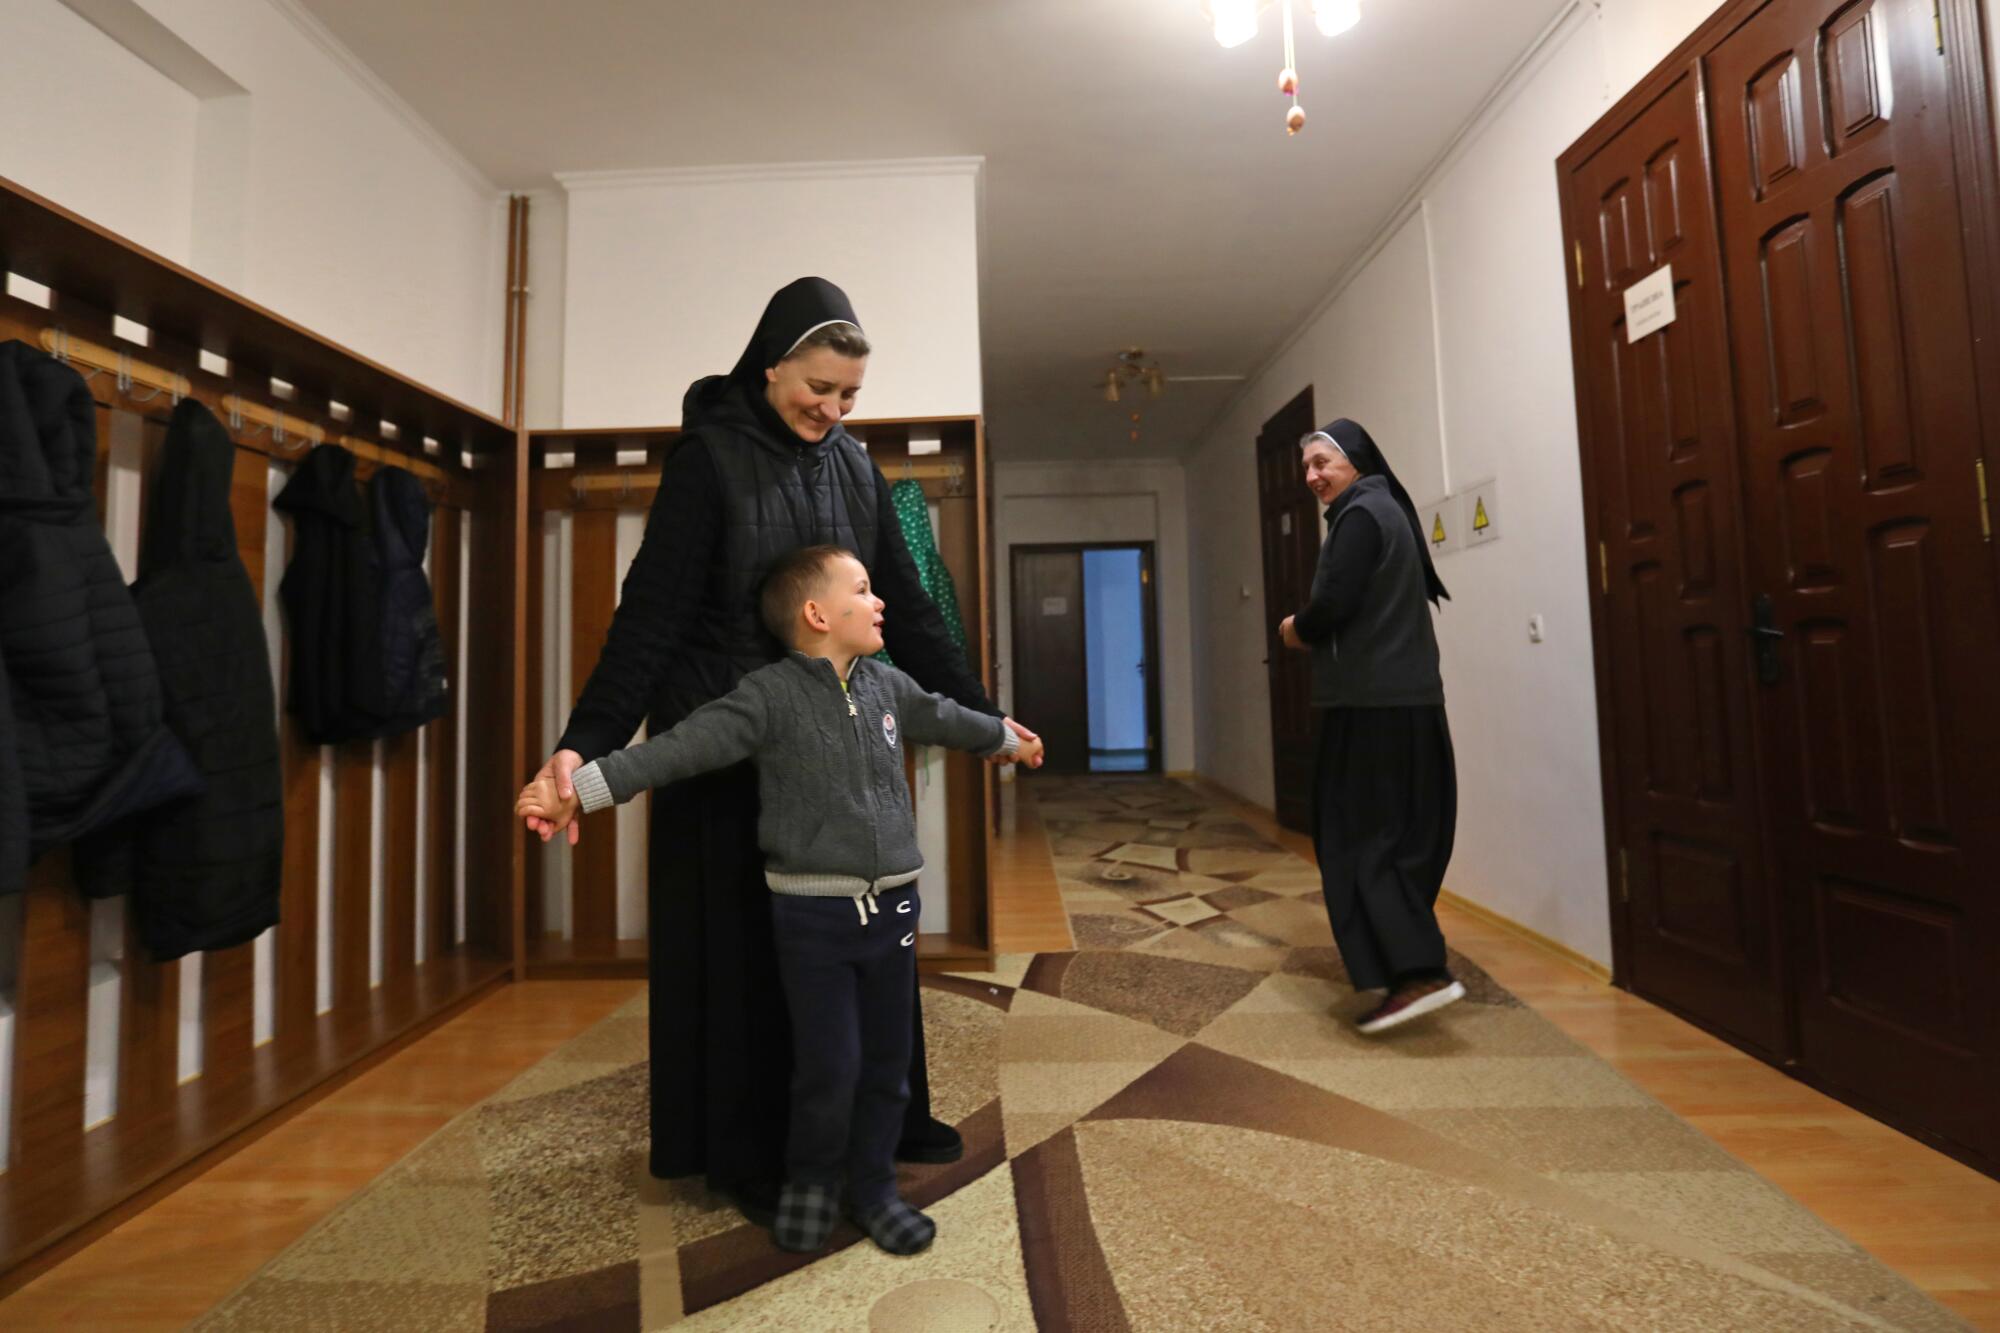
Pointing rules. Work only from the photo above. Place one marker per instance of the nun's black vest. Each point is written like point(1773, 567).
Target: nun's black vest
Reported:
point(777, 495)
point(1387, 655)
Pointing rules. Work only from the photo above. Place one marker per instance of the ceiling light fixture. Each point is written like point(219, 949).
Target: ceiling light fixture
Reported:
point(1333, 17)
point(1236, 23)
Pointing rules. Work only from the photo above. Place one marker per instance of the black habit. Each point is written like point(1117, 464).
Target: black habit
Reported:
point(1385, 787)
point(739, 491)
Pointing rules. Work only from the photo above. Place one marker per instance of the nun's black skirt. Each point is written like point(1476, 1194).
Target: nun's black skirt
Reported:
point(1385, 811)
point(718, 1034)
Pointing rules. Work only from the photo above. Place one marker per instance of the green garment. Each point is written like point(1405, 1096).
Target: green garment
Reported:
point(914, 513)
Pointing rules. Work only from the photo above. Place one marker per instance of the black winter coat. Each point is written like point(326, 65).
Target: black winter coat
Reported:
point(205, 871)
point(89, 731)
point(330, 598)
point(13, 799)
point(409, 690)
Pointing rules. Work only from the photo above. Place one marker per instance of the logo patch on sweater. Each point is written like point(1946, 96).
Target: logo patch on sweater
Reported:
point(889, 729)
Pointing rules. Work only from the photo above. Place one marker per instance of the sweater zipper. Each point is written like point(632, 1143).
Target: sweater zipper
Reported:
point(868, 770)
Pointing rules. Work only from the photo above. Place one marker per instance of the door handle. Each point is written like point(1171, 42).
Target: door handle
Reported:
point(1764, 635)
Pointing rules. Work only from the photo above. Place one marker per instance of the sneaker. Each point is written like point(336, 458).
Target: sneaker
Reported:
point(1405, 1005)
point(933, 1144)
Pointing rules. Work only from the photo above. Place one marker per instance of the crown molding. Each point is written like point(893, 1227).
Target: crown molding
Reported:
point(640, 178)
point(357, 69)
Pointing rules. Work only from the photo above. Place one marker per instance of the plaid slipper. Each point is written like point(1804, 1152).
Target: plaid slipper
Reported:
point(806, 1214)
point(897, 1227)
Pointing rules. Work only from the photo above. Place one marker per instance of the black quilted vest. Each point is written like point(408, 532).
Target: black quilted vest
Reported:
point(777, 495)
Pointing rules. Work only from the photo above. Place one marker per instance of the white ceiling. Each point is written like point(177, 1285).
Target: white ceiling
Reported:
point(1140, 188)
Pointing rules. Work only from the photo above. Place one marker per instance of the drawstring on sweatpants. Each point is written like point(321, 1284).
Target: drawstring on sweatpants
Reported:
point(864, 903)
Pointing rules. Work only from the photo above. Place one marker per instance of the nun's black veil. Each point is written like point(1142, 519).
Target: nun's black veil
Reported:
point(1367, 459)
point(794, 310)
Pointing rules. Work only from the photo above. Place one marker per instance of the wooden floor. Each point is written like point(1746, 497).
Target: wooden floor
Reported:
point(1923, 1214)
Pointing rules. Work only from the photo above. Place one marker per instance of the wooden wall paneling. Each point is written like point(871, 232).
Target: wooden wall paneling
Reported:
point(515, 492)
point(399, 857)
point(63, 1180)
point(492, 852)
point(534, 888)
point(441, 736)
point(51, 1023)
point(228, 976)
point(353, 870)
point(594, 860)
point(149, 1021)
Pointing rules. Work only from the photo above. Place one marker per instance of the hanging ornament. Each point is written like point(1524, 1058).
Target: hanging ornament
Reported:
point(1288, 79)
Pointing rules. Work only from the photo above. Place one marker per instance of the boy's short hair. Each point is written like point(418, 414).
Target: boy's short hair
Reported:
point(796, 579)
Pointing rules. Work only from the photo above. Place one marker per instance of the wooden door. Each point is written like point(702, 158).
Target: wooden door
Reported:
point(1853, 330)
point(1051, 676)
point(1700, 919)
point(1288, 524)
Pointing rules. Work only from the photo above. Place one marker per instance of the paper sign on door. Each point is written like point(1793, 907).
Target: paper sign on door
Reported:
point(1649, 304)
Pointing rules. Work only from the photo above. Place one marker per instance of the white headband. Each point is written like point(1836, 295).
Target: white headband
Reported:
point(1317, 435)
point(823, 324)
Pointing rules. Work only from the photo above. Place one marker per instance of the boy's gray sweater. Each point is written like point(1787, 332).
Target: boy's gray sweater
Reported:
point(836, 818)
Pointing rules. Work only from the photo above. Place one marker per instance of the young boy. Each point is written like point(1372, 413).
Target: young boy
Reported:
point(827, 726)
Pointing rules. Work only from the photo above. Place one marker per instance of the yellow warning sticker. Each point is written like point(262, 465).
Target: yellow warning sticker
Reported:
point(1479, 520)
point(1438, 534)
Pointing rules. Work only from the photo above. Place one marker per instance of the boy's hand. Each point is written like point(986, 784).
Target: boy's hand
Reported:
point(1030, 753)
point(542, 810)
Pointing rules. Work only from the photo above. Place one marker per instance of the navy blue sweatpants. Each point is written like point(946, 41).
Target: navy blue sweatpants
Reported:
point(850, 987)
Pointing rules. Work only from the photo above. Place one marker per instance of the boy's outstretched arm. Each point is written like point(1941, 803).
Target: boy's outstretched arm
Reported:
point(932, 719)
point(715, 735)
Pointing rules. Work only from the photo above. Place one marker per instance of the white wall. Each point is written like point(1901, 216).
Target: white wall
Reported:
point(1451, 343)
point(282, 170)
point(669, 270)
point(73, 102)
point(1135, 501)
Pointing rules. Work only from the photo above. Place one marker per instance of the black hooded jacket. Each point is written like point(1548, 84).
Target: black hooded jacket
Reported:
point(332, 612)
point(204, 872)
point(409, 688)
point(739, 491)
point(89, 738)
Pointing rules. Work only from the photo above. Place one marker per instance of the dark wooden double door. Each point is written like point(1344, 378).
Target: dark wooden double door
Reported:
point(1798, 620)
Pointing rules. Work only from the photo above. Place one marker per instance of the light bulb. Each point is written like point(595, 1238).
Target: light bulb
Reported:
point(1333, 17)
point(1235, 21)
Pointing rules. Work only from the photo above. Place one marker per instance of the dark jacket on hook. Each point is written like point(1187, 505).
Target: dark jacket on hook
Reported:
point(89, 736)
point(409, 690)
point(330, 597)
point(204, 872)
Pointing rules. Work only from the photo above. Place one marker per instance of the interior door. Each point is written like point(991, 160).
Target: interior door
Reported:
point(1288, 523)
point(1701, 922)
point(1051, 666)
point(1858, 391)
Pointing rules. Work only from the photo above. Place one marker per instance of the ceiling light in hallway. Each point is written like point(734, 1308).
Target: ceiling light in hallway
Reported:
point(1333, 17)
point(1236, 23)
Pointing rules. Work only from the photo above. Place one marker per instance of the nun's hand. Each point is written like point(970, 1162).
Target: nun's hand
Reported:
point(1026, 736)
point(561, 770)
point(1289, 633)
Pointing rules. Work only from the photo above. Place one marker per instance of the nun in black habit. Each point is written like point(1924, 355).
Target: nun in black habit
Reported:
point(763, 467)
point(1385, 789)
